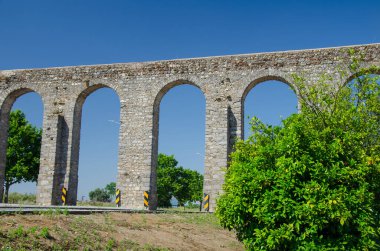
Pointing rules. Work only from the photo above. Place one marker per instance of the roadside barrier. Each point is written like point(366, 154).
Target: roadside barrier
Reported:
point(206, 200)
point(64, 196)
point(146, 199)
point(118, 198)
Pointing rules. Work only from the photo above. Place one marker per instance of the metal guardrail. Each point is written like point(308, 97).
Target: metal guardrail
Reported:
point(18, 208)
point(30, 209)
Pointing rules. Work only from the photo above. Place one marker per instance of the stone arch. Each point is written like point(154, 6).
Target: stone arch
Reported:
point(155, 130)
point(157, 102)
point(171, 85)
point(258, 81)
point(265, 78)
point(6, 107)
point(71, 179)
point(374, 71)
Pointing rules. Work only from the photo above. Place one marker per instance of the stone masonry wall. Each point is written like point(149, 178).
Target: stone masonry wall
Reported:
point(224, 81)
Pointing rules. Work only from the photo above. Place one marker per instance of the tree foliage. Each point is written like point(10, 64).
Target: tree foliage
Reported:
point(99, 194)
point(111, 189)
point(175, 181)
point(103, 194)
point(23, 151)
point(314, 182)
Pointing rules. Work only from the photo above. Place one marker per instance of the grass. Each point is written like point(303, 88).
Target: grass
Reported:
point(22, 238)
point(82, 234)
point(108, 231)
point(30, 199)
point(181, 209)
point(55, 229)
point(96, 203)
point(21, 198)
point(203, 219)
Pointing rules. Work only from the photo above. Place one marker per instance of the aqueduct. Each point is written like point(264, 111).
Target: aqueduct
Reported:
point(224, 80)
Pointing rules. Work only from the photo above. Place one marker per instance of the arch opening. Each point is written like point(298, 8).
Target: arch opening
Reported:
point(370, 72)
point(356, 81)
point(270, 99)
point(179, 145)
point(21, 133)
point(93, 171)
point(365, 95)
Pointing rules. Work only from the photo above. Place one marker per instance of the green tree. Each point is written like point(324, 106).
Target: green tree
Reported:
point(103, 194)
point(175, 181)
point(100, 195)
point(165, 169)
point(184, 180)
point(23, 152)
point(111, 189)
point(314, 183)
point(196, 186)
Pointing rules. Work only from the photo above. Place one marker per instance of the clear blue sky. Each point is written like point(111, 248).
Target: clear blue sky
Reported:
point(46, 33)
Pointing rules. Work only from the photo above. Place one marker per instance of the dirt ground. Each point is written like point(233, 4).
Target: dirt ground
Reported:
point(115, 231)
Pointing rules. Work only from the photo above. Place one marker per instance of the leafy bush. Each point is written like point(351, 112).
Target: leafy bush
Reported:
point(314, 182)
point(103, 195)
point(100, 195)
point(20, 198)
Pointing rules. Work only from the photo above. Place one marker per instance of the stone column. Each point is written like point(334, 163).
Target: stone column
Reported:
point(235, 122)
point(136, 166)
point(223, 127)
point(4, 121)
point(71, 170)
point(53, 158)
point(217, 147)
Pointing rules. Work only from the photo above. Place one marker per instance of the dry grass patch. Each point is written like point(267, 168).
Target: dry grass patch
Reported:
point(114, 231)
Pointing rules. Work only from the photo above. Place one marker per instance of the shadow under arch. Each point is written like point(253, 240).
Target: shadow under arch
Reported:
point(155, 132)
point(262, 80)
point(6, 107)
point(72, 177)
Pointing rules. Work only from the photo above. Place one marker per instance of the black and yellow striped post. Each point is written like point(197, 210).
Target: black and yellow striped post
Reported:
point(118, 198)
point(206, 202)
point(64, 196)
point(146, 199)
